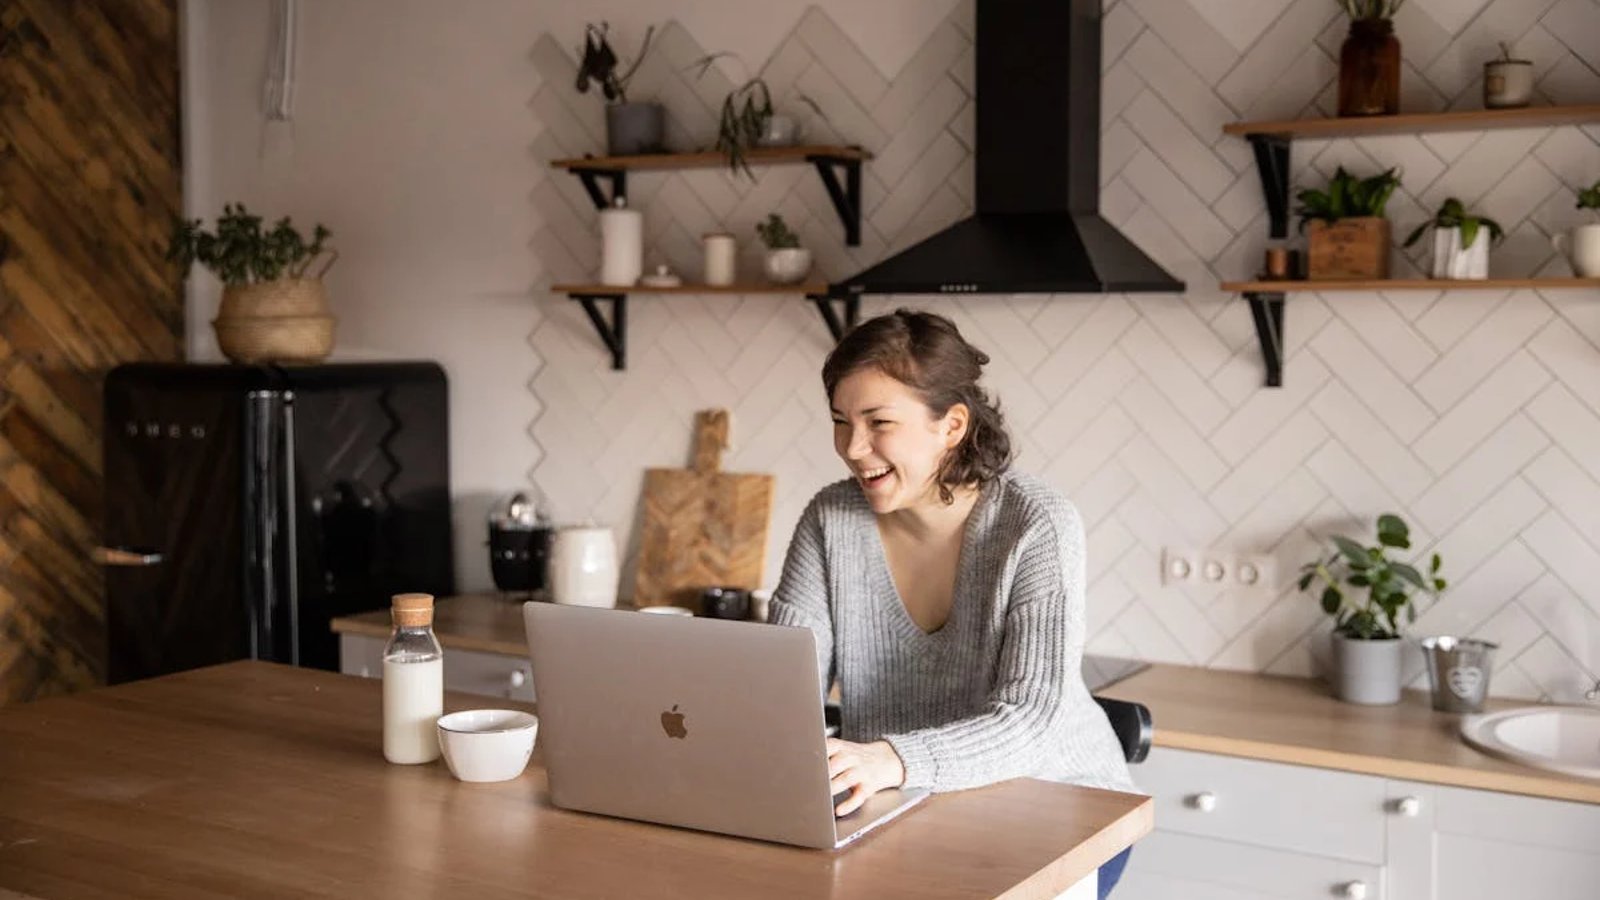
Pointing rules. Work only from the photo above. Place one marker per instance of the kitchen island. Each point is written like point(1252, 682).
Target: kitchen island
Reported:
point(258, 780)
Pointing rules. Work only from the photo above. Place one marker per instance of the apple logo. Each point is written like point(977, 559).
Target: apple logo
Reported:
point(672, 723)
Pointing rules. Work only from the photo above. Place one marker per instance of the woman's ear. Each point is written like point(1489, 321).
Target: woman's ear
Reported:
point(956, 421)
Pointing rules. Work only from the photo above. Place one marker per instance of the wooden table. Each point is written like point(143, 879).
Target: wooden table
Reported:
point(258, 780)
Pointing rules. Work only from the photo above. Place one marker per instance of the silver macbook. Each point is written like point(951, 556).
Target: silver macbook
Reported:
point(702, 723)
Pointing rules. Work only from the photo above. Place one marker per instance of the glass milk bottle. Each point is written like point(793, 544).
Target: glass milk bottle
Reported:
point(413, 683)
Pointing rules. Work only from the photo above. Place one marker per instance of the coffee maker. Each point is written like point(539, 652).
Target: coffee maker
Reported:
point(519, 545)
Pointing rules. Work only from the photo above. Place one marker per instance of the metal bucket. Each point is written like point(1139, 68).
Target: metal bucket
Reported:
point(1458, 671)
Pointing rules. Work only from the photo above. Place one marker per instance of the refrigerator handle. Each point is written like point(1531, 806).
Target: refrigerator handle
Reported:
point(291, 524)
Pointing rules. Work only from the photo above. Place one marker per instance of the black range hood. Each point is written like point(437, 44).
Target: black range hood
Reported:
point(1037, 228)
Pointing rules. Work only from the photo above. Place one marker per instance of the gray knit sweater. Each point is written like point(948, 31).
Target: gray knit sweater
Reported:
point(997, 692)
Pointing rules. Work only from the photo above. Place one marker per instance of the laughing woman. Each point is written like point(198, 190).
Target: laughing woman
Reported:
point(945, 590)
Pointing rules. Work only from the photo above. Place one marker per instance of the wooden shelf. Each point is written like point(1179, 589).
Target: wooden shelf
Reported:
point(614, 331)
point(607, 290)
point(1416, 123)
point(1410, 284)
point(710, 159)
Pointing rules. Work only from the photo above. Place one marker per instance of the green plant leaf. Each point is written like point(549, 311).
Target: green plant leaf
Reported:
point(1416, 233)
point(1469, 231)
point(1434, 566)
point(1305, 580)
point(1393, 531)
point(1331, 600)
point(1359, 580)
point(1353, 552)
point(1410, 574)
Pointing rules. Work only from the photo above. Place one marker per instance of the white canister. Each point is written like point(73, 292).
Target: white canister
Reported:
point(621, 245)
point(1582, 249)
point(721, 258)
point(1507, 83)
point(583, 566)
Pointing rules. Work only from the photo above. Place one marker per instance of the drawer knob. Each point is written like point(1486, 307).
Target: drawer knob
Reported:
point(1205, 801)
point(1408, 806)
point(1354, 890)
point(518, 678)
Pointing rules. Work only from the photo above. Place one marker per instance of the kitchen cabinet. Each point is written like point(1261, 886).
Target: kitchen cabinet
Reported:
point(1237, 829)
point(468, 671)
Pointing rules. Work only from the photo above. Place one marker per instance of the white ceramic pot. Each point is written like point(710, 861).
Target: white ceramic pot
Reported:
point(1507, 83)
point(1367, 672)
point(789, 265)
point(1582, 249)
point(1451, 260)
point(583, 566)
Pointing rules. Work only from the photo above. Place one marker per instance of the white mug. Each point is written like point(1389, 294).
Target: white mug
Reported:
point(583, 566)
point(1582, 249)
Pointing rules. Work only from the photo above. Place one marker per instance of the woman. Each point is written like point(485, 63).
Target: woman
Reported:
point(946, 592)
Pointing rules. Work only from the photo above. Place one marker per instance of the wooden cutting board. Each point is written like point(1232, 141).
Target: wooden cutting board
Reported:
point(702, 527)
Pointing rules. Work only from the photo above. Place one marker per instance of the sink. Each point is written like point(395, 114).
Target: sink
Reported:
point(1562, 739)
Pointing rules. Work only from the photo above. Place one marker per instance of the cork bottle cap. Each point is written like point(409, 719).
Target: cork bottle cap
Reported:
point(412, 610)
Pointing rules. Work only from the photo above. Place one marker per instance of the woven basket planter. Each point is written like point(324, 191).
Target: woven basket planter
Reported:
point(282, 321)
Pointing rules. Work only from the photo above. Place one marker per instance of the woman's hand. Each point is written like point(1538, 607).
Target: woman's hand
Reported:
point(864, 769)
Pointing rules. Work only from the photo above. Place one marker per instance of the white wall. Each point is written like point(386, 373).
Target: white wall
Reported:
point(421, 135)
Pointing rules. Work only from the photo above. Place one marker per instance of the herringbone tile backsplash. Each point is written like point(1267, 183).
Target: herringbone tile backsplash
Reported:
point(1475, 414)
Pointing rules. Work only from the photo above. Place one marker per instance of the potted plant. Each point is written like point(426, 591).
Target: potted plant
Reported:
point(747, 118)
point(272, 311)
point(1582, 246)
point(1369, 60)
point(1347, 236)
point(786, 261)
point(1366, 633)
point(631, 128)
point(1457, 252)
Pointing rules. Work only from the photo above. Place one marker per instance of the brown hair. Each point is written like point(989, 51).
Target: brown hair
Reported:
point(925, 352)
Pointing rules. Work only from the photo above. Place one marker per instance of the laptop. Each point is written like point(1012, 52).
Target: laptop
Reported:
point(701, 723)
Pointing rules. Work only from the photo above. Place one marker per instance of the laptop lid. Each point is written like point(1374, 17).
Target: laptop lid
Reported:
point(703, 723)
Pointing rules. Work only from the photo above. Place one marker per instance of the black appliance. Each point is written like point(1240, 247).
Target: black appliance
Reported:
point(519, 545)
point(1037, 226)
point(247, 506)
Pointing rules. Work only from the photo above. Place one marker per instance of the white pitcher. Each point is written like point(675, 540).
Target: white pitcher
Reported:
point(1582, 249)
point(583, 566)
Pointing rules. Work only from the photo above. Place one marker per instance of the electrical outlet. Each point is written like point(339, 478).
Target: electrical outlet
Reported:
point(1218, 569)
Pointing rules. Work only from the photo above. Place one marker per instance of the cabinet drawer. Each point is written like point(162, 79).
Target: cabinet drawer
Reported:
point(490, 674)
point(1317, 811)
point(468, 671)
point(1168, 866)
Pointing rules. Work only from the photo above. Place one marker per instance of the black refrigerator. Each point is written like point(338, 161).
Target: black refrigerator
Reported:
point(247, 506)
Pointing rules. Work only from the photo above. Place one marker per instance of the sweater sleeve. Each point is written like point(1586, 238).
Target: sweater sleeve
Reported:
point(801, 597)
point(1041, 649)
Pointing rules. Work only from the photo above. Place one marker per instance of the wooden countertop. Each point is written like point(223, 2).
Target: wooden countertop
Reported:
point(489, 623)
point(255, 780)
point(1296, 720)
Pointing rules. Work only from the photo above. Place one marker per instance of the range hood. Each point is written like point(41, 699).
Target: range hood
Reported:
point(1037, 228)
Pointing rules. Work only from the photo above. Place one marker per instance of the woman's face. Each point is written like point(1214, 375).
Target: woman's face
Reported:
point(891, 440)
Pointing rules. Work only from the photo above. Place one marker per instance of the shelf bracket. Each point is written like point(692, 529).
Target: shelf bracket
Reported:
point(1272, 164)
point(847, 197)
point(591, 183)
point(1267, 310)
point(614, 332)
point(837, 325)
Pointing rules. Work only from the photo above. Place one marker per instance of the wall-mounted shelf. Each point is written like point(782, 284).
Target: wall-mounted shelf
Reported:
point(1411, 284)
point(614, 331)
point(1417, 123)
point(838, 167)
point(1270, 142)
point(1266, 301)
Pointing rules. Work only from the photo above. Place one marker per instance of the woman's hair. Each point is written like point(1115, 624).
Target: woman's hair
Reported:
point(927, 353)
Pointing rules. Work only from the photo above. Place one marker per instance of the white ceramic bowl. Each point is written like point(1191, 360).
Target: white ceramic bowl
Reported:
point(487, 744)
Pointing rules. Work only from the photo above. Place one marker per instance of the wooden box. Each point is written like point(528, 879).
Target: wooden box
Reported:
point(1348, 250)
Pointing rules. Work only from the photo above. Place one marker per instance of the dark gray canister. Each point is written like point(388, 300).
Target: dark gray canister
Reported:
point(1458, 671)
point(633, 128)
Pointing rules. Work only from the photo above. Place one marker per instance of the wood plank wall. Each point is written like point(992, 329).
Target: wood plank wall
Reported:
point(89, 187)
